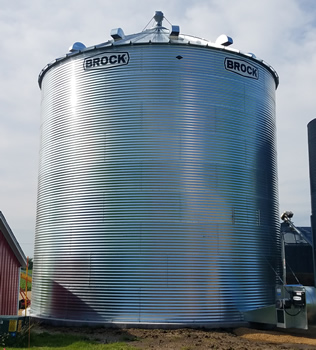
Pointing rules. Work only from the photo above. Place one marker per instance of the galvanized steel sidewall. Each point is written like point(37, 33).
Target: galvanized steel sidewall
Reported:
point(157, 197)
point(311, 128)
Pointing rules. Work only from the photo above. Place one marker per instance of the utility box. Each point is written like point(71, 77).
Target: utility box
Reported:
point(291, 310)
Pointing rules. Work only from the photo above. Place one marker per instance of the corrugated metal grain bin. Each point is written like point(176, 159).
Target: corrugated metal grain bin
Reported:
point(311, 128)
point(157, 199)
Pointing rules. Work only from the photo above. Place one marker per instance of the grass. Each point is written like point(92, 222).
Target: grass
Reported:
point(46, 341)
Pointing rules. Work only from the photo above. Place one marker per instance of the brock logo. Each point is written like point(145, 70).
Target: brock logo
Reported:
point(106, 60)
point(241, 67)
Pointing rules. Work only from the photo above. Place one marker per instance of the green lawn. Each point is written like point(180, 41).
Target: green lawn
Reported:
point(46, 341)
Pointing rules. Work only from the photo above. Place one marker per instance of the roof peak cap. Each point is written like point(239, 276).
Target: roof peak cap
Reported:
point(159, 17)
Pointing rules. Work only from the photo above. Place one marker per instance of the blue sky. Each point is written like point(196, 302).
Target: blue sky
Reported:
point(35, 32)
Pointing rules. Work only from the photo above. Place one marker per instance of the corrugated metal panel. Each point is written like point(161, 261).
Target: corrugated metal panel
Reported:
point(157, 189)
point(9, 279)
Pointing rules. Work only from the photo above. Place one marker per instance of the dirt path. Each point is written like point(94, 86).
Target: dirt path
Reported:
point(188, 339)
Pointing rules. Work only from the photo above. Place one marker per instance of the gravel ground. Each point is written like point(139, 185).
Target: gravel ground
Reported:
point(188, 339)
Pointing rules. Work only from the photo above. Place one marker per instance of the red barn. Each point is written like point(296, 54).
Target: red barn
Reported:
point(12, 259)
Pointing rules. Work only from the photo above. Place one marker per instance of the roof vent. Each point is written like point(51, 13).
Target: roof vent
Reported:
point(158, 17)
point(224, 40)
point(117, 34)
point(175, 31)
point(77, 46)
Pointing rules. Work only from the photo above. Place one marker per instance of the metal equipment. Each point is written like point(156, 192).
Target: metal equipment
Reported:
point(295, 305)
point(291, 311)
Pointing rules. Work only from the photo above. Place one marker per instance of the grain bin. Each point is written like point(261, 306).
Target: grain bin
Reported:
point(311, 128)
point(157, 197)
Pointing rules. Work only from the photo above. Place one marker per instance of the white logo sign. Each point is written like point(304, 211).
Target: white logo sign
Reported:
point(241, 67)
point(106, 60)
